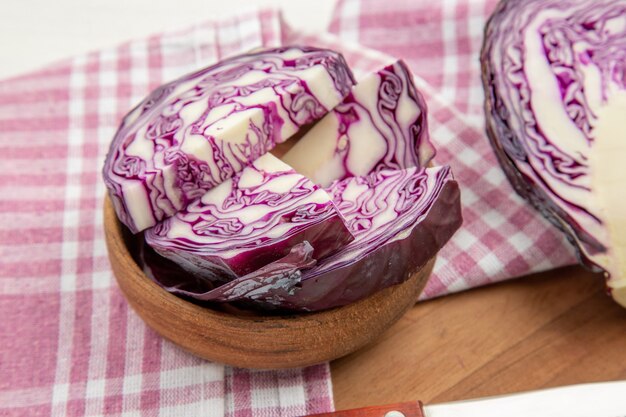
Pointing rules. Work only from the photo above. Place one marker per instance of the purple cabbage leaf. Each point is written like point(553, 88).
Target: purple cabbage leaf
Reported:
point(269, 284)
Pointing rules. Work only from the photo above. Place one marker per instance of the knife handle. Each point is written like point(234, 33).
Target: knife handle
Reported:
point(410, 409)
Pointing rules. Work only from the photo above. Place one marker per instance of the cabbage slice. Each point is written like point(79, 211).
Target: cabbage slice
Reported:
point(399, 218)
point(193, 133)
point(381, 124)
point(555, 83)
point(249, 221)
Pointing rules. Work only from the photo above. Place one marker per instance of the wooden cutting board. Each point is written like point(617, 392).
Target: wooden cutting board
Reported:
point(541, 331)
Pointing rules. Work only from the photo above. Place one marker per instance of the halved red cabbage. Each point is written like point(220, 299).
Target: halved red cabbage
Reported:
point(400, 220)
point(554, 74)
point(381, 124)
point(193, 133)
point(249, 221)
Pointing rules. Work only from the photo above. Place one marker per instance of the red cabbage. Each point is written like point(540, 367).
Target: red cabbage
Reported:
point(227, 221)
point(381, 124)
point(249, 221)
point(554, 74)
point(194, 133)
point(400, 220)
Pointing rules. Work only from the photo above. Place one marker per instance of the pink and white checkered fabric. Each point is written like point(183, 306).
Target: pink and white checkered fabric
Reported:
point(69, 345)
point(439, 39)
point(502, 237)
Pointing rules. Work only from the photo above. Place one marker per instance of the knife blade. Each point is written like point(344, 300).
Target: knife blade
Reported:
point(601, 399)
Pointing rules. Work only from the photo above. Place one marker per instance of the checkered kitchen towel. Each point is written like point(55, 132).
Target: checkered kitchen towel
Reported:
point(440, 39)
point(69, 345)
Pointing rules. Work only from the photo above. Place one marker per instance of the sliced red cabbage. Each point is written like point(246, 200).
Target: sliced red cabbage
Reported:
point(554, 74)
point(381, 124)
point(194, 133)
point(399, 218)
point(268, 284)
point(232, 223)
point(249, 221)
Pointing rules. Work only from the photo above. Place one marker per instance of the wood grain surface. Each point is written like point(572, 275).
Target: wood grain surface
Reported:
point(541, 331)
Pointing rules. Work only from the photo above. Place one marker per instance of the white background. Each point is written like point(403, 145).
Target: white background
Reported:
point(34, 33)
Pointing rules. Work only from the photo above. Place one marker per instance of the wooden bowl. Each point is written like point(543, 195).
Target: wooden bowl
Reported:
point(262, 342)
